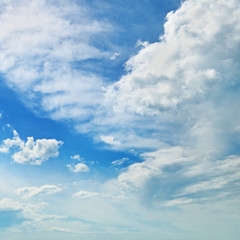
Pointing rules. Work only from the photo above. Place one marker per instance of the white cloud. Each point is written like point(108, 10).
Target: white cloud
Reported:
point(177, 176)
point(86, 194)
point(31, 152)
point(176, 202)
point(9, 204)
point(79, 167)
point(114, 56)
point(179, 80)
point(166, 91)
point(110, 140)
point(138, 174)
point(181, 91)
point(120, 161)
point(35, 152)
point(29, 192)
point(14, 142)
point(77, 157)
point(43, 45)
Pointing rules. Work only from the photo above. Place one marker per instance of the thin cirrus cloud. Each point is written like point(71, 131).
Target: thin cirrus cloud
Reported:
point(85, 194)
point(29, 192)
point(30, 152)
point(119, 162)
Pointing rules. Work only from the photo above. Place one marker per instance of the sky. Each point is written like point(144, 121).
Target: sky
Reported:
point(119, 119)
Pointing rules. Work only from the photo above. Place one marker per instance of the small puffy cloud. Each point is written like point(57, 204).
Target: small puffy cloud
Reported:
point(28, 192)
point(86, 194)
point(32, 152)
point(110, 140)
point(79, 167)
point(77, 157)
point(120, 161)
point(114, 56)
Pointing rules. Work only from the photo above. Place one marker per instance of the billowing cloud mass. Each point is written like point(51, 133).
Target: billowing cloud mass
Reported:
point(31, 152)
point(183, 92)
point(28, 192)
point(183, 85)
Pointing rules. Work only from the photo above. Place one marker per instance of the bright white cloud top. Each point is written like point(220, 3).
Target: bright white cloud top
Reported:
point(31, 152)
point(160, 139)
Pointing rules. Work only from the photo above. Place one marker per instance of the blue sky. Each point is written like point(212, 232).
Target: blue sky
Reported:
point(119, 120)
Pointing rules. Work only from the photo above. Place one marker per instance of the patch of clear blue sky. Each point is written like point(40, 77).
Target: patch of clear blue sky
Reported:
point(9, 218)
point(130, 21)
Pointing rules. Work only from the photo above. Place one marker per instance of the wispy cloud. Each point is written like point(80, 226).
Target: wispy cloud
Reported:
point(114, 56)
point(29, 192)
point(86, 194)
point(43, 47)
point(120, 161)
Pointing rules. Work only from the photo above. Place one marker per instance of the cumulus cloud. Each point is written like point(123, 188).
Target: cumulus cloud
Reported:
point(32, 152)
point(35, 152)
point(29, 192)
point(177, 83)
point(85, 194)
point(172, 71)
point(8, 143)
point(79, 167)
